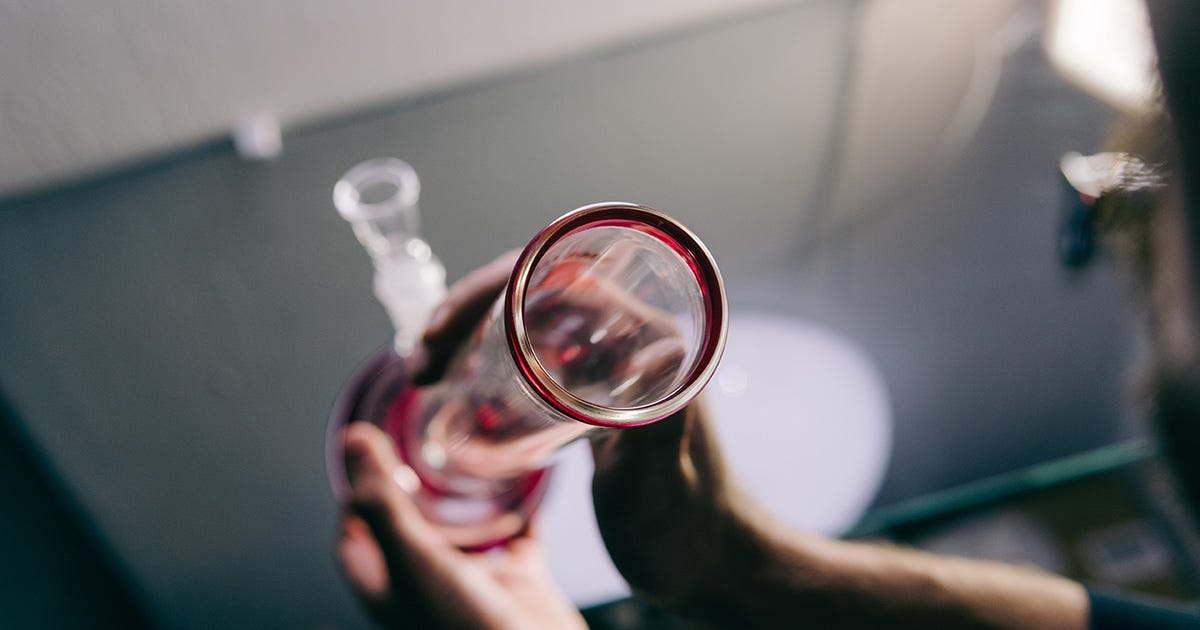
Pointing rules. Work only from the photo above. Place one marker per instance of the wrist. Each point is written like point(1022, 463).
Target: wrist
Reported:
point(757, 568)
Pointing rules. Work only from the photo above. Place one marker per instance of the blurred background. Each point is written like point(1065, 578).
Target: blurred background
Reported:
point(181, 304)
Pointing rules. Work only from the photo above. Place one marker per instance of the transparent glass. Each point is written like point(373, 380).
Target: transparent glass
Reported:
point(614, 316)
point(379, 199)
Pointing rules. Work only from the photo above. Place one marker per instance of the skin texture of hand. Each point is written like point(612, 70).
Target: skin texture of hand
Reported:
point(407, 574)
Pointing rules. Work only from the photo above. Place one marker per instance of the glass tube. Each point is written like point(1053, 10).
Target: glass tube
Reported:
point(614, 316)
point(379, 199)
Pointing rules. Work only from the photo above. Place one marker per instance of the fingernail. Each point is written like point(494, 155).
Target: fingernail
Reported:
point(407, 479)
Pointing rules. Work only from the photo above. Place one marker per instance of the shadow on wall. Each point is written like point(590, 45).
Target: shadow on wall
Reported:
point(53, 574)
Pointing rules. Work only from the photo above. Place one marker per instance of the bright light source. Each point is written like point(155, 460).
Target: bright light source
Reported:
point(804, 418)
point(733, 380)
point(1106, 47)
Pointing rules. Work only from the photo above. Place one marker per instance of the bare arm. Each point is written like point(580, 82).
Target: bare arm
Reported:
point(846, 584)
point(687, 538)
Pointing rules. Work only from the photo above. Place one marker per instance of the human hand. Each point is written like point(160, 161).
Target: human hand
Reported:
point(406, 573)
point(669, 514)
point(677, 525)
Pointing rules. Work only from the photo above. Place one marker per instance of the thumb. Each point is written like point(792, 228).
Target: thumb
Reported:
point(643, 471)
point(681, 447)
point(410, 544)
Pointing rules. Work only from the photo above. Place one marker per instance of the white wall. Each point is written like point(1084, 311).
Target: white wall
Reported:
point(85, 84)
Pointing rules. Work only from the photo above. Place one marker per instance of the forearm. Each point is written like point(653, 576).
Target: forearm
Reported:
point(779, 577)
point(687, 538)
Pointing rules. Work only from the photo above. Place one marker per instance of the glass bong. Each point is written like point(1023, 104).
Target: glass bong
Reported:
point(614, 316)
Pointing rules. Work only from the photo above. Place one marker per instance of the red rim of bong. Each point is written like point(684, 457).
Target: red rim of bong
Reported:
point(707, 276)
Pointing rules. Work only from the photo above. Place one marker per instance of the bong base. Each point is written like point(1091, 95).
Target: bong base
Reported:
point(379, 392)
